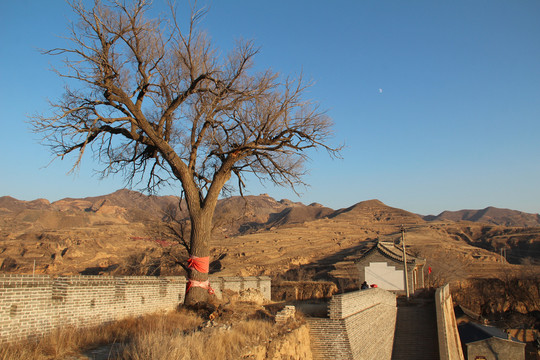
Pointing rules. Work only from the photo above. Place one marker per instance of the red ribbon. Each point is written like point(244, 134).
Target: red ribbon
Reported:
point(201, 284)
point(201, 264)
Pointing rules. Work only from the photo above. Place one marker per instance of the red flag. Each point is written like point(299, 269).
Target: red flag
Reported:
point(429, 269)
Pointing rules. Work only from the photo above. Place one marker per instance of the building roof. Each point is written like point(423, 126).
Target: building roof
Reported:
point(391, 251)
point(462, 313)
point(471, 332)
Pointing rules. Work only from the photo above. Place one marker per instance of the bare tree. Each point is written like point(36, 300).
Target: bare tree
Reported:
point(157, 102)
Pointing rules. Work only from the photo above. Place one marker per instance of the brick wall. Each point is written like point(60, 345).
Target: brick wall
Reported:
point(449, 342)
point(361, 325)
point(344, 305)
point(34, 305)
point(329, 339)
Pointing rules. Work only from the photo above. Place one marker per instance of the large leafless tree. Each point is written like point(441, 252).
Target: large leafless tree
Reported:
point(155, 100)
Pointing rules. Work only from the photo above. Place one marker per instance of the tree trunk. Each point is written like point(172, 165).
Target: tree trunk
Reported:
point(201, 225)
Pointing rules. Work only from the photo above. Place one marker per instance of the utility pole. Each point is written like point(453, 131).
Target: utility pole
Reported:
point(405, 262)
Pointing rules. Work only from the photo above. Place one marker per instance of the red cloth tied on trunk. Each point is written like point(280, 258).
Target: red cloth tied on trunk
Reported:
point(201, 284)
point(201, 264)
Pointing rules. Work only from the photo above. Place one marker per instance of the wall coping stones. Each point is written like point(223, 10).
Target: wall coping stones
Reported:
point(447, 331)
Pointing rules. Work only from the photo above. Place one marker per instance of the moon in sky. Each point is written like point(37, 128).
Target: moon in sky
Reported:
point(380, 91)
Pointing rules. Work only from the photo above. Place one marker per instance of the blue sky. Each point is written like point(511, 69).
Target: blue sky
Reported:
point(437, 102)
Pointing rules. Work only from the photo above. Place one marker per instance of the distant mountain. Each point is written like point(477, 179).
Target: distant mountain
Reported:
point(490, 215)
point(134, 205)
point(233, 215)
point(251, 213)
point(376, 212)
point(9, 204)
point(126, 232)
point(299, 214)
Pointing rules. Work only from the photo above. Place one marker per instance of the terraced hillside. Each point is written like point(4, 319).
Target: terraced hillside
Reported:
point(127, 232)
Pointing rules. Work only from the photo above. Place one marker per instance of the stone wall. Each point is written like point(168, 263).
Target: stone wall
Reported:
point(237, 283)
point(449, 342)
point(360, 325)
point(35, 305)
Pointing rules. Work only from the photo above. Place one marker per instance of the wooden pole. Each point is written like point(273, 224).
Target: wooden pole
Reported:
point(405, 272)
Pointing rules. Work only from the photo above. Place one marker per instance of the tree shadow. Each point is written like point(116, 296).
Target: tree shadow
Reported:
point(321, 269)
point(98, 270)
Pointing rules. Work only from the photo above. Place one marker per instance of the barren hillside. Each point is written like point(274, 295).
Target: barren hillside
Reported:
point(490, 215)
point(126, 232)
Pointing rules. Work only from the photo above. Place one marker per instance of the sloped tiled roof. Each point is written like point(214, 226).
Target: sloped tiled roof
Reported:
point(389, 250)
point(461, 311)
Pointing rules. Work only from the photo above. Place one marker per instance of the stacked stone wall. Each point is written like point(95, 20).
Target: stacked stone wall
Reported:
point(447, 331)
point(360, 325)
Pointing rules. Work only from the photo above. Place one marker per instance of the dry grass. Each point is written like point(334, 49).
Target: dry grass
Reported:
point(237, 329)
point(72, 342)
point(220, 343)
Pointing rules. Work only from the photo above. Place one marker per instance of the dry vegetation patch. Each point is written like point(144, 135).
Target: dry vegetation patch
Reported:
point(235, 330)
point(68, 341)
point(213, 342)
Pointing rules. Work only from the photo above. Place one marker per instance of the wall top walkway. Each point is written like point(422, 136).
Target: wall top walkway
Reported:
point(344, 305)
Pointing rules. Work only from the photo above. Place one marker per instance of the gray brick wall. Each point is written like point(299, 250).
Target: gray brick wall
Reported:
point(371, 332)
point(329, 339)
point(344, 305)
point(34, 305)
point(361, 325)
